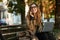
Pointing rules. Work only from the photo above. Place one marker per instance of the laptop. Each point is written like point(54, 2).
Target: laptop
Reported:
point(48, 26)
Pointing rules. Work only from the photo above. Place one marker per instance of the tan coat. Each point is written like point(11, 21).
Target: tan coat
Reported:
point(32, 23)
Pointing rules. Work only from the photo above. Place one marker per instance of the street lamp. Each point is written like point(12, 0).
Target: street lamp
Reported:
point(26, 1)
point(26, 7)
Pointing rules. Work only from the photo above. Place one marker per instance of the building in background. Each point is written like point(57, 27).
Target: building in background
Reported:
point(6, 17)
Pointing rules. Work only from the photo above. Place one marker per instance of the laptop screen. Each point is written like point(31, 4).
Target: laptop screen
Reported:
point(48, 26)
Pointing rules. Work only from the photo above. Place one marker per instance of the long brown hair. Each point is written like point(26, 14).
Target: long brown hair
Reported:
point(37, 16)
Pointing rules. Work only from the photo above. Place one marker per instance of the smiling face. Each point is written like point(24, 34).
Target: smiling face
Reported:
point(33, 8)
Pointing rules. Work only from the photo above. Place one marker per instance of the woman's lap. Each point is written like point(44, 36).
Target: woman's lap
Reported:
point(42, 36)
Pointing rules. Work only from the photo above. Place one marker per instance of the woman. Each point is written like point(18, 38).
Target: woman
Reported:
point(34, 23)
point(34, 19)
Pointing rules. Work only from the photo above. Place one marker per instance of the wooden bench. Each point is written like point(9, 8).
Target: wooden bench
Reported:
point(9, 32)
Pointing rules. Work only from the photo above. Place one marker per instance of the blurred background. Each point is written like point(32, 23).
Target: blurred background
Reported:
point(13, 13)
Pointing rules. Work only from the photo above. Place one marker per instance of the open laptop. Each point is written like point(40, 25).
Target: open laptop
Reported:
point(48, 26)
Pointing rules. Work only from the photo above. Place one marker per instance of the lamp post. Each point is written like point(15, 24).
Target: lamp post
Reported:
point(26, 7)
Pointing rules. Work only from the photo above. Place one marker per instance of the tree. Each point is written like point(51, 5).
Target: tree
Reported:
point(48, 7)
point(18, 6)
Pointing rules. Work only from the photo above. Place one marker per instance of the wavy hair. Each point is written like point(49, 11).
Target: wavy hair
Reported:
point(37, 17)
